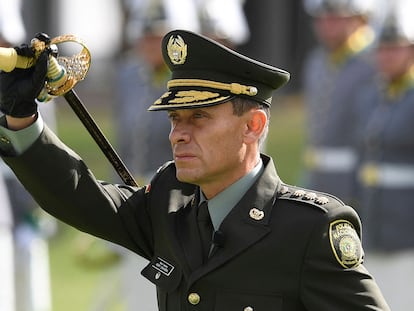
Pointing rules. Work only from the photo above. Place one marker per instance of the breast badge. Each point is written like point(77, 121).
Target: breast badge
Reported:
point(345, 243)
point(256, 214)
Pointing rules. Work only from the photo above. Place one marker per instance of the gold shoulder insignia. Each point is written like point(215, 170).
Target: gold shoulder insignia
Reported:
point(345, 243)
point(317, 199)
point(177, 50)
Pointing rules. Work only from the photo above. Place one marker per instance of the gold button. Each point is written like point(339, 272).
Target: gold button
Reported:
point(194, 298)
point(248, 309)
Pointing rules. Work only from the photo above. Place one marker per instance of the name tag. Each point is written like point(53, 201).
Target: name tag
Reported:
point(162, 266)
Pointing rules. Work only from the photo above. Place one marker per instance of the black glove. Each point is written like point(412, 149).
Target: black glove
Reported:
point(20, 87)
point(24, 50)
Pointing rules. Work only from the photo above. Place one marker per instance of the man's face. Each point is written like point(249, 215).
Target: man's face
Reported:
point(149, 48)
point(394, 60)
point(208, 145)
point(333, 30)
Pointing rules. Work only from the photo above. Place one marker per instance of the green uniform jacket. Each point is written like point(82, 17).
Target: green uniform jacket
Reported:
point(284, 248)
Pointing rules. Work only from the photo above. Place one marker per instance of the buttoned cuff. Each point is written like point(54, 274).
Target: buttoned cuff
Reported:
point(14, 143)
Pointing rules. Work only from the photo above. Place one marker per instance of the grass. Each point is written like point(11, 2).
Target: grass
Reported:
point(285, 139)
point(75, 280)
point(80, 263)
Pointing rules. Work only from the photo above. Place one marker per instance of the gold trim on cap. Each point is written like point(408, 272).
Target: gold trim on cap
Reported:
point(192, 96)
point(234, 88)
point(171, 104)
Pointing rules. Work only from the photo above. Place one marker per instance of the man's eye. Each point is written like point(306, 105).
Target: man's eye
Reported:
point(172, 116)
point(198, 115)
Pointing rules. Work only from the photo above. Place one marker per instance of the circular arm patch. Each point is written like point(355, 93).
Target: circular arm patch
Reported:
point(345, 243)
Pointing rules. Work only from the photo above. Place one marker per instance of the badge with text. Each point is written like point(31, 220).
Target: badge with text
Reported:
point(163, 266)
point(345, 243)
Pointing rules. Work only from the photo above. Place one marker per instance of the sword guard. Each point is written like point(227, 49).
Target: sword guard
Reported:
point(64, 71)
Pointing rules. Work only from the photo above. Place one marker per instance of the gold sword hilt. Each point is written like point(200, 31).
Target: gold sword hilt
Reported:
point(62, 75)
point(64, 72)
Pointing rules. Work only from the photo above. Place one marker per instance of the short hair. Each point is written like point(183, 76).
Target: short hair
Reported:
point(242, 105)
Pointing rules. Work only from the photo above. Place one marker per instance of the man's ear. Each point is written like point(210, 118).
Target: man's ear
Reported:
point(256, 123)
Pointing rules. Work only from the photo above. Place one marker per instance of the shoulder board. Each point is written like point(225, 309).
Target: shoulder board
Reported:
point(161, 170)
point(323, 201)
point(164, 166)
point(166, 179)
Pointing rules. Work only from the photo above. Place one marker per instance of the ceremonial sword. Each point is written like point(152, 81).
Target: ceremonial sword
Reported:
point(63, 74)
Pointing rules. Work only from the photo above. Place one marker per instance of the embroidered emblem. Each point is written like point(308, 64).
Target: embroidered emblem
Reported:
point(159, 100)
point(310, 196)
point(345, 243)
point(192, 96)
point(163, 266)
point(256, 214)
point(283, 190)
point(321, 200)
point(298, 193)
point(177, 50)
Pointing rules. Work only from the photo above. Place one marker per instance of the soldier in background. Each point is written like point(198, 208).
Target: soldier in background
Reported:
point(24, 262)
point(387, 161)
point(7, 287)
point(334, 72)
point(7, 283)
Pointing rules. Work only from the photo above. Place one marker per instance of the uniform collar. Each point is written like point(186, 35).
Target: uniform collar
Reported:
point(221, 204)
point(357, 42)
point(401, 85)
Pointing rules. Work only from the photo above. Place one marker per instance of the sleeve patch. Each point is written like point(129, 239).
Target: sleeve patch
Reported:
point(345, 243)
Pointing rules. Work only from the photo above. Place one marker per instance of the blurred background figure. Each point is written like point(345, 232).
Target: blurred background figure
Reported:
point(30, 267)
point(8, 18)
point(387, 155)
point(32, 229)
point(334, 72)
point(7, 287)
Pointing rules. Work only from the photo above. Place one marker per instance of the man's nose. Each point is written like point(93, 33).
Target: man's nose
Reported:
point(180, 133)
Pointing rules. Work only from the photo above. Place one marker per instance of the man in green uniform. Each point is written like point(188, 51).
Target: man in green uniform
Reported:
point(270, 246)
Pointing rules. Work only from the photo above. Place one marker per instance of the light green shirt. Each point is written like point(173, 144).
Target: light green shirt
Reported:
point(17, 142)
point(223, 203)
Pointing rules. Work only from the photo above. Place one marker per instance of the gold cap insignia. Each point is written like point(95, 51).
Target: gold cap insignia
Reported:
point(256, 214)
point(345, 244)
point(177, 50)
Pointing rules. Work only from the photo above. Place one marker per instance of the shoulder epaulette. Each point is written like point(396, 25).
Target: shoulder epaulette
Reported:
point(315, 198)
point(164, 166)
point(166, 177)
point(161, 170)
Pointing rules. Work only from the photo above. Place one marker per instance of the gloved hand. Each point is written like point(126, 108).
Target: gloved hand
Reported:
point(20, 87)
